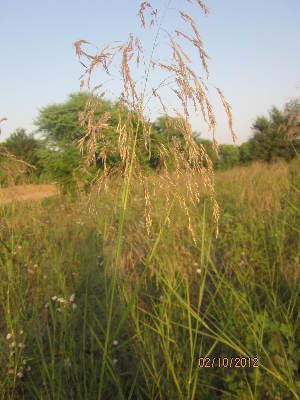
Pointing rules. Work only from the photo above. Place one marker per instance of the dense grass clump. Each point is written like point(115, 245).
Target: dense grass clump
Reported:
point(174, 301)
point(178, 284)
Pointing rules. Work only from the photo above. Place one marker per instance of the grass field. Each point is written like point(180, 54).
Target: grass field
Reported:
point(215, 318)
point(27, 192)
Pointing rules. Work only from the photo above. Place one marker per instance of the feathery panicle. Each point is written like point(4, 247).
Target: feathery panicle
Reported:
point(201, 5)
point(228, 112)
point(191, 90)
point(144, 5)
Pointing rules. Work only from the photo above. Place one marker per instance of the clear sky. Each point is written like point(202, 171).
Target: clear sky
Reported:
point(253, 45)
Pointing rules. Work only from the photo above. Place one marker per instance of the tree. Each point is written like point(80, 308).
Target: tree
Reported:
point(19, 158)
point(23, 146)
point(229, 156)
point(59, 122)
point(276, 136)
point(245, 153)
point(61, 129)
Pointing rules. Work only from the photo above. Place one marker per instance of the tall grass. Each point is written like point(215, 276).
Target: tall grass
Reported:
point(234, 296)
point(190, 89)
point(117, 294)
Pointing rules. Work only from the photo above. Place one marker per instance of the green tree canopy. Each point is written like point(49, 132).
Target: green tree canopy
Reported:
point(60, 122)
point(229, 156)
point(18, 154)
point(245, 152)
point(24, 146)
point(276, 136)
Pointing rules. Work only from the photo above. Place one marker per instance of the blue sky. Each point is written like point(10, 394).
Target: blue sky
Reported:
point(253, 45)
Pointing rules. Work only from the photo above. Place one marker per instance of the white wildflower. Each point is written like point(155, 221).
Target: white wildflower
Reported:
point(19, 375)
point(72, 297)
point(8, 336)
point(54, 298)
point(199, 271)
point(74, 306)
point(21, 332)
point(115, 343)
point(67, 362)
point(115, 361)
point(28, 368)
point(11, 372)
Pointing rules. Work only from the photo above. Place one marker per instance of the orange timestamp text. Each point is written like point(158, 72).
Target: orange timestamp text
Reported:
point(228, 362)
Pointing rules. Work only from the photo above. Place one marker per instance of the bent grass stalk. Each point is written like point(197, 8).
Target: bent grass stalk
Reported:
point(196, 155)
point(120, 232)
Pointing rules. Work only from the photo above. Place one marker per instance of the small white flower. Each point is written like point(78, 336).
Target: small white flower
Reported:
point(161, 298)
point(72, 297)
point(11, 372)
point(21, 346)
point(59, 309)
point(115, 343)
point(196, 264)
point(8, 336)
point(74, 306)
point(21, 332)
point(19, 375)
point(12, 345)
point(19, 247)
point(30, 271)
point(11, 354)
point(67, 362)
point(54, 298)
point(35, 266)
point(24, 362)
point(28, 368)
point(115, 361)
point(46, 305)
point(199, 271)
point(45, 276)
point(61, 300)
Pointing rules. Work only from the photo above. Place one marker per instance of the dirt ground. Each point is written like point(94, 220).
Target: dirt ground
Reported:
point(27, 192)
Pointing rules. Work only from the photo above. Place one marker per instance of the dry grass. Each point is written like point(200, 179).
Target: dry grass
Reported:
point(13, 169)
point(190, 89)
point(27, 192)
point(245, 278)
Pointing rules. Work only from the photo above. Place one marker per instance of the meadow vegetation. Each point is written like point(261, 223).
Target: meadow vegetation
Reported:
point(237, 295)
point(149, 261)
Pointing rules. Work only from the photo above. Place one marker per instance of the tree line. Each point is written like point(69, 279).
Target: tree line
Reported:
point(52, 150)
